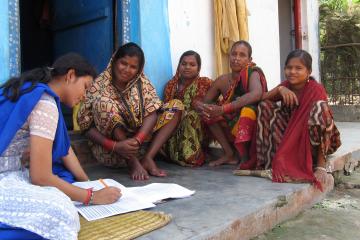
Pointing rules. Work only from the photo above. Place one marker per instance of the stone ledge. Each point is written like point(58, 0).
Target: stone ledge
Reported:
point(280, 210)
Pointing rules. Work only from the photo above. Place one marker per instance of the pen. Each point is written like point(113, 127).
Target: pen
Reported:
point(103, 182)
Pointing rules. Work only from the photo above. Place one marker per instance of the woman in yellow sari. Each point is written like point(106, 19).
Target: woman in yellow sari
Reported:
point(122, 112)
point(185, 147)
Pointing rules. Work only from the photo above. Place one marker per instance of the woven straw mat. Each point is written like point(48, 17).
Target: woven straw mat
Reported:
point(125, 226)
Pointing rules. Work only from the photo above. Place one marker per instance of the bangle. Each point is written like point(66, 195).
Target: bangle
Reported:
point(321, 168)
point(109, 144)
point(89, 196)
point(228, 108)
point(140, 137)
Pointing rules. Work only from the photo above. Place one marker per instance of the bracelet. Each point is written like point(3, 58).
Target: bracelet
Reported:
point(321, 168)
point(228, 108)
point(140, 137)
point(89, 196)
point(109, 144)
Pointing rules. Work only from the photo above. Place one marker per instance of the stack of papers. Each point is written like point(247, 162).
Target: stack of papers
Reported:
point(133, 199)
point(127, 203)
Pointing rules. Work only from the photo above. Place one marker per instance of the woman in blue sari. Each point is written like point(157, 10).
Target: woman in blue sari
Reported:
point(36, 160)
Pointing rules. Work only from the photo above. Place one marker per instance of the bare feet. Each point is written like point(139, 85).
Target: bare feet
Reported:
point(230, 160)
point(136, 170)
point(150, 166)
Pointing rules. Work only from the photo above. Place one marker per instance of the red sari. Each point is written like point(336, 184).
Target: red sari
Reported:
point(292, 158)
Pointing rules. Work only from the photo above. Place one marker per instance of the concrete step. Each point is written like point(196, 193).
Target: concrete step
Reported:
point(347, 157)
point(232, 207)
point(224, 206)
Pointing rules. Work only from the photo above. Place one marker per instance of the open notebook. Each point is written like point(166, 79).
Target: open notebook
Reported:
point(133, 199)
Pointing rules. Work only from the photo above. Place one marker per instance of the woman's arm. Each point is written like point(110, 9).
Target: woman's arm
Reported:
point(213, 92)
point(282, 93)
point(146, 128)
point(320, 171)
point(272, 95)
point(41, 174)
point(126, 147)
point(71, 162)
point(254, 94)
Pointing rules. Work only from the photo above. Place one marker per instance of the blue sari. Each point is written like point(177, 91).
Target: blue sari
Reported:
point(12, 117)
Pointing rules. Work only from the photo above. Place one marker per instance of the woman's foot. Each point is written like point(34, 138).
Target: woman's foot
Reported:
point(150, 166)
point(136, 170)
point(229, 160)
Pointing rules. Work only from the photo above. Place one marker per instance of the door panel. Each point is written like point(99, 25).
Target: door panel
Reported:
point(85, 27)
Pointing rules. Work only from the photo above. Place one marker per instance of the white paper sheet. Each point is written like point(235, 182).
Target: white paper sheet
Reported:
point(127, 203)
point(156, 192)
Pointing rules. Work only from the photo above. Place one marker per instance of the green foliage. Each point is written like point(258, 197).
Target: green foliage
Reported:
point(338, 5)
point(340, 56)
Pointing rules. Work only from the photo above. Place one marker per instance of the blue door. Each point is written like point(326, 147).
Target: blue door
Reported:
point(85, 27)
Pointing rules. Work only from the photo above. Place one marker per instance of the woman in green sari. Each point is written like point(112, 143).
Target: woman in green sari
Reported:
point(186, 146)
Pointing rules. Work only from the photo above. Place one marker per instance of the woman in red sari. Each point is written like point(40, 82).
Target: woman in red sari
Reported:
point(232, 120)
point(294, 138)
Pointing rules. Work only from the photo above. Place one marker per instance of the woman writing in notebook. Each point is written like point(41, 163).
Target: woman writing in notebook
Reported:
point(35, 203)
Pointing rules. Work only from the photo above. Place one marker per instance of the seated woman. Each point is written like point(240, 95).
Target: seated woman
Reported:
point(232, 121)
point(121, 112)
point(293, 138)
point(35, 203)
point(185, 147)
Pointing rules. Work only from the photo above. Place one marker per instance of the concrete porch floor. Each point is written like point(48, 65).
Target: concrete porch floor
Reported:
point(232, 207)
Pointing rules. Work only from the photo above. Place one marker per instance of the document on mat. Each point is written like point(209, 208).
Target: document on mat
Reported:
point(156, 192)
point(127, 203)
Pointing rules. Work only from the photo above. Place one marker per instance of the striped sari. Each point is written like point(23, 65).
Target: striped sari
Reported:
point(287, 140)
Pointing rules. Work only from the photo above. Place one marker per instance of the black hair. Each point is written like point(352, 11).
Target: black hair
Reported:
point(243, 42)
point(130, 49)
point(191, 53)
point(12, 88)
point(303, 55)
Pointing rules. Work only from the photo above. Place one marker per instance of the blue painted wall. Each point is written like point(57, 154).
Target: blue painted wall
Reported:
point(9, 39)
point(155, 41)
point(4, 41)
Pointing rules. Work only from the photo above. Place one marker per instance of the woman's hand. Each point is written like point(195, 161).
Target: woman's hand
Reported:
point(289, 97)
point(321, 175)
point(212, 111)
point(106, 195)
point(127, 148)
point(198, 106)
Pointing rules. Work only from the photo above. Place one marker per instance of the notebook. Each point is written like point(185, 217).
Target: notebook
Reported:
point(133, 198)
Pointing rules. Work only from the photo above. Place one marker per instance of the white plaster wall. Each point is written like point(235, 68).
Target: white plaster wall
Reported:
point(191, 28)
point(264, 38)
point(310, 29)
